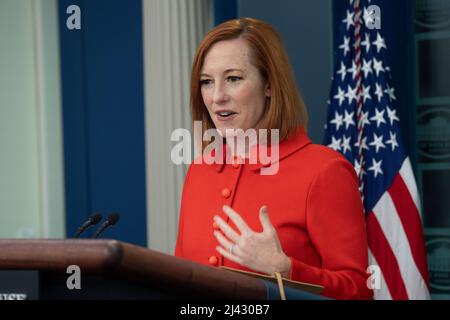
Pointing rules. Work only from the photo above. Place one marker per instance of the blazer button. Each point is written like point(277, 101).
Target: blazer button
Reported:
point(226, 193)
point(215, 226)
point(213, 260)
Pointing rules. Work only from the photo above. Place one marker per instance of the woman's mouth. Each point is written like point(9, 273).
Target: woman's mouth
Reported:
point(225, 115)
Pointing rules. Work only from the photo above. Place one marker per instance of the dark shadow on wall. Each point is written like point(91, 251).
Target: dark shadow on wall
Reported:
point(305, 27)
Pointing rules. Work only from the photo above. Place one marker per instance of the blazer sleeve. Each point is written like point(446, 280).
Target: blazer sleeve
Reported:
point(336, 226)
point(179, 243)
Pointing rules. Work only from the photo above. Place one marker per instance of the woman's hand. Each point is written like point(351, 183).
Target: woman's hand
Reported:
point(257, 251)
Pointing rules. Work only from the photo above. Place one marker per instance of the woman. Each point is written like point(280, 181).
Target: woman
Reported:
point(310, 225)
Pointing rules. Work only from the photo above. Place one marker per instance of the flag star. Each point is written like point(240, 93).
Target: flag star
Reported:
point(379, 92)
point(378, 66)
point(366, 93)
point(348, 119)
point(366, 43)
point(392, 115)
point(346, 145)
point(349, 19)
point(376, 167)
point(390, 92)
point(379, 117)
point(342, 71)
point(351, 94)
point(338, 120)
point(367, 67)
point(353, 70)
point(345, 46)
point(392, 141)
point(358, 167)
point(377, 143)
point(364, 119)
point(335, 144)
point(380, 43)
point(364, 144)
point(340, 96)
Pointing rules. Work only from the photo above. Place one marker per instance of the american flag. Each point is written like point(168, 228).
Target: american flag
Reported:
point(363, 125)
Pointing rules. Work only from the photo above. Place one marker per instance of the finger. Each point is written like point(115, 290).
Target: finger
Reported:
point(237, 220)
point(228, 255)
point(264, 218)
point(226, 229)
point(223, 241)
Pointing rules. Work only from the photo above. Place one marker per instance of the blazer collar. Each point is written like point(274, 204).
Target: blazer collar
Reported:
point(286, 147)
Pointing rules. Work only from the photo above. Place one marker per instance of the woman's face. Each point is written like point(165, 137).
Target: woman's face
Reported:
point(233, 90)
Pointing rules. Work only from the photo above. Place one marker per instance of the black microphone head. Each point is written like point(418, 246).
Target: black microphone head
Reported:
point(95, 218)
point(113, 218)
point(91, 221)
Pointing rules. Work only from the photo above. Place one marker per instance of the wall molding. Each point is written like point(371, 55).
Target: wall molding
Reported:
point(48, 119)
point(172, 31)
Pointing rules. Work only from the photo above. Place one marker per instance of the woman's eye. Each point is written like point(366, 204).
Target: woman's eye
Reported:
point(234, 78)
point(205, 82)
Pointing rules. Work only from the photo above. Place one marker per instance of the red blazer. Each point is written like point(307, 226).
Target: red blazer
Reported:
point(313, 202)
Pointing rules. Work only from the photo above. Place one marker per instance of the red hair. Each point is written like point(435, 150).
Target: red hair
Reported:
point(286, 110)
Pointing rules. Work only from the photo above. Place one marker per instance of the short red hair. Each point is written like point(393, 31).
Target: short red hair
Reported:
point(286, 110)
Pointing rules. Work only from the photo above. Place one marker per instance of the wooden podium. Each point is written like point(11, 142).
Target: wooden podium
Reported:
point(113, 270)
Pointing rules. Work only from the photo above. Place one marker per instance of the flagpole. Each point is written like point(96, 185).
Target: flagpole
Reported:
point(358, 95)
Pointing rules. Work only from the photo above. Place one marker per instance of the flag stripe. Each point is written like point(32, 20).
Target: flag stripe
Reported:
point(406, 172)
point(411, 222)
point(383, 254)
point(389, 220)
point(381, 293)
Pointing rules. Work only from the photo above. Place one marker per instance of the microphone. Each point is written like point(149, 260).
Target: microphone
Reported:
point(110, 220)
point(92, 221)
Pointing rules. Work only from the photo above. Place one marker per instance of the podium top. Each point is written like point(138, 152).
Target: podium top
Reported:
point(126, 261)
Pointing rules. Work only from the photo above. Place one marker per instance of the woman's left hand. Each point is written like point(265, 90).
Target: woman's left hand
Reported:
point(257, 251)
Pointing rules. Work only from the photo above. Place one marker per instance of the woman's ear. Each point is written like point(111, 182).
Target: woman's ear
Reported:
point(267, 90)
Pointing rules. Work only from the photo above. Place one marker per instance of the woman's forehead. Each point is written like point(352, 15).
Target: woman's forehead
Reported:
point(226, 55)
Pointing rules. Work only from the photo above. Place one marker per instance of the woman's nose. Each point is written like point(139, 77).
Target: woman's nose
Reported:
point(219, 96)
